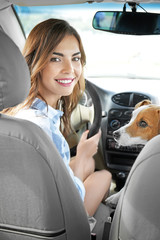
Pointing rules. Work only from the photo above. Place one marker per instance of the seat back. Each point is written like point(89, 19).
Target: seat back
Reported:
point(137, 215)
point(38, 199)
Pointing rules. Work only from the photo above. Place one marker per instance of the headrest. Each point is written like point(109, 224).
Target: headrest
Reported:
point(14, 74)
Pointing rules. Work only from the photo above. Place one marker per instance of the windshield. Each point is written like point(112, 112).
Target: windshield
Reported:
point(108, 54)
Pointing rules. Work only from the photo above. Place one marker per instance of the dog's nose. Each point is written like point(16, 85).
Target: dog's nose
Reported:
point(116, 135)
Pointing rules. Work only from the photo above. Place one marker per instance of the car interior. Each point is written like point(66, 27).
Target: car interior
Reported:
point(34, 186)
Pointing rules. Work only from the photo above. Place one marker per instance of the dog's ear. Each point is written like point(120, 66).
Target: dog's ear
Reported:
point(142, 103)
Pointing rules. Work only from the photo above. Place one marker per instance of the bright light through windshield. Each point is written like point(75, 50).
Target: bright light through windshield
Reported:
point(107, 54)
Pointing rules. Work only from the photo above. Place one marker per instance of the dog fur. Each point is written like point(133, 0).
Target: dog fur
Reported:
point(144, 125)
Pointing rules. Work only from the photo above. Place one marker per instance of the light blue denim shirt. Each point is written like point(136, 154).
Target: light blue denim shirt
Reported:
point(48, 119)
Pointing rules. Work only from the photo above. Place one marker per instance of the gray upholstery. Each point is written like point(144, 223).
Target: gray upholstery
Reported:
point(14, 74)
point(38, 199)
point(137, 214)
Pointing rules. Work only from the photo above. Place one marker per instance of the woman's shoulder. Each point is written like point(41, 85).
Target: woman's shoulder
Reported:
point(29, 114)
point(24, 112)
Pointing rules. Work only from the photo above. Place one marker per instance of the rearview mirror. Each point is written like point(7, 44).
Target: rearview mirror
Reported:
point(133, 23)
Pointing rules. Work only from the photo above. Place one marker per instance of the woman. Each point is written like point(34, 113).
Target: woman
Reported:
point(56, 58)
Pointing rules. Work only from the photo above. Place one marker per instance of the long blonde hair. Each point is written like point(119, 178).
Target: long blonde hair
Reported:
point(41, 41)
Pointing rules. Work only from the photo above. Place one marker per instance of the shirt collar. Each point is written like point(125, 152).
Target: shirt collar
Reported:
point(47, 110)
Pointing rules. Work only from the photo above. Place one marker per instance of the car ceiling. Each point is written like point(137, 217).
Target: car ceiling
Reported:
point(61, 2)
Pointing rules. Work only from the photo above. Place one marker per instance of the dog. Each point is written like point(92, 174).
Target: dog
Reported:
point(144, 125)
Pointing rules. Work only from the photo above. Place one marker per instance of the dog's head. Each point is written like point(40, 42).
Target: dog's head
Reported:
point(144, 125)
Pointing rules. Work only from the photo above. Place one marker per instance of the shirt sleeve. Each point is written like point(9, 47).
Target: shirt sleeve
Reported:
point(80, 187)
point(79, 184)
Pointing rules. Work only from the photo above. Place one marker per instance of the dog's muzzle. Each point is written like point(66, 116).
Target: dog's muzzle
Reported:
point(116, 135)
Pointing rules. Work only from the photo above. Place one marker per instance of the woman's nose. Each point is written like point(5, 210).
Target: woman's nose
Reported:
point(68, 67)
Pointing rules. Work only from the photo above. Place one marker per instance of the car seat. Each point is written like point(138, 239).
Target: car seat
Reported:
point(38, 199)
point(137, 214)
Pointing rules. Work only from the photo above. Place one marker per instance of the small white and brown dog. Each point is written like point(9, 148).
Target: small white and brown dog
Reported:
point(144, 125)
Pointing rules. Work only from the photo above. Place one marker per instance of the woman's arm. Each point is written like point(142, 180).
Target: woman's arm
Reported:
point(83, 164)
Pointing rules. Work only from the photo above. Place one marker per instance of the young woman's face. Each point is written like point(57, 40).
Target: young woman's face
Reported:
point(62, 72)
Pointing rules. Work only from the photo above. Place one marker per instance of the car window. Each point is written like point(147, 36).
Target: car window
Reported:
point(108, 54)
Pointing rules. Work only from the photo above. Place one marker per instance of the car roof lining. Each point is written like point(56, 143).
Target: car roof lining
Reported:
point(63, 2)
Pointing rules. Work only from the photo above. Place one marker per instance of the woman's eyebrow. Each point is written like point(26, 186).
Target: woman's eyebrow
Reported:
point(77, 53)
point(62, 55)
point(59, 54)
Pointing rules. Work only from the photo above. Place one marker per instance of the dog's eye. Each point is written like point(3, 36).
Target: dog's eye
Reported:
point(143, 124)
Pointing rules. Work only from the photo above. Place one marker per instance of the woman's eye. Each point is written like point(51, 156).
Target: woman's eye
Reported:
point(55, 60)
point(76, 59)
point(143, 124)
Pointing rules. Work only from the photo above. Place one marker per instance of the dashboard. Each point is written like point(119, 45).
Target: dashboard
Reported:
point(117, 108)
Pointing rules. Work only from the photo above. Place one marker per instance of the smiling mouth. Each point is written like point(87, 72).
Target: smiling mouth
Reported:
point(65, 82)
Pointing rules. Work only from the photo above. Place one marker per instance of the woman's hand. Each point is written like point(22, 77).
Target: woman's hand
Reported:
point(87, 148)
point(83, 164)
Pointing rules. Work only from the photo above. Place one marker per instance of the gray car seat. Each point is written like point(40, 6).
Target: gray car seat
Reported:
point(38, 199)
point(137, 216)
